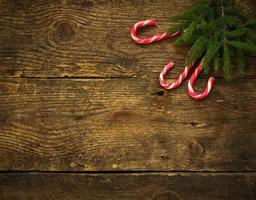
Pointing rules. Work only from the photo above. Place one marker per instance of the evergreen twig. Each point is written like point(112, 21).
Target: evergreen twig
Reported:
point(221, 33)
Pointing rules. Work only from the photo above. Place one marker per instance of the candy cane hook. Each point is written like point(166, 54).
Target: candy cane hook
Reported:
point(149, 40)
point(177, 83)
point(191, 83)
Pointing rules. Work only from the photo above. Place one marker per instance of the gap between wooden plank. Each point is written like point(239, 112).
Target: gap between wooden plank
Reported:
point(130, 172)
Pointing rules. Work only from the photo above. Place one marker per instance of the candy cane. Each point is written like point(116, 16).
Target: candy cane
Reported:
point(149, 40)
point(181, 78)
point(168, 67)
point(191, 83)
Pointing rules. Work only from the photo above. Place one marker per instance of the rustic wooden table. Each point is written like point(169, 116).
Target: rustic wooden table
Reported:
point(82, 115)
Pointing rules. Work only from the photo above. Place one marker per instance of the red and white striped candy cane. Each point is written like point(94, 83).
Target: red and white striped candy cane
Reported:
point(178, 81)
point(191, 83)
point(149, 40)
point(168, 67)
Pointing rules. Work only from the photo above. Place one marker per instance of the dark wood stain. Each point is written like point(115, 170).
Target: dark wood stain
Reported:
point(165, 186)
point(82, 115)
point(76, 38)
point(107, 120)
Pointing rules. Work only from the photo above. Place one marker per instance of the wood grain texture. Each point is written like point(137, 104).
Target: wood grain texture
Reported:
point(165, 186)
point(128, 124)
point(52, 121)
point(82, 38)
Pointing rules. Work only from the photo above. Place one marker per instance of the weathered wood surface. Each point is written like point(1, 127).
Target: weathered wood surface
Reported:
point(178, 186)
point(128, 124)
point(50, 120)
point(71, 38)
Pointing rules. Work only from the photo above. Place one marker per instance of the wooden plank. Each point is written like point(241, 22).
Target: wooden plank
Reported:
point(87, 38)
point(128, 124)
point(178, 186)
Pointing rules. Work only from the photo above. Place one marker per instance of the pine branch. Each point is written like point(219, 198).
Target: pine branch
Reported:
point(216, 63)
point(219, 32)
point(240, 61)
point(186, 36)
point(226, 62)
point(237, 33)
point(212, 49)
point(197, 50)
point(248, 47)
point(179, 27)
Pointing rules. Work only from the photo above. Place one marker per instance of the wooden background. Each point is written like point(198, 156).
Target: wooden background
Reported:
point(82, 115)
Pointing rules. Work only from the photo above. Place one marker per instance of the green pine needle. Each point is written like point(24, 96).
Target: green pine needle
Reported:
point(212, 49)
point(237, 33)
point(216, 63)
point(220, 32)
point(248, 47)
point(240, 61)
point(197, 50)
point(226, 62)
point(250, 22)
point(188, 33)
point(179, 27)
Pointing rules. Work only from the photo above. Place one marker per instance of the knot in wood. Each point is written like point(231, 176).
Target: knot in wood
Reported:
point(65, 31)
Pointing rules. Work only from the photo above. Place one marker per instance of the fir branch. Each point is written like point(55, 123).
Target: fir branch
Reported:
point(226, 62)
point(212, 49)
point(250, 22)
point(216, 63)
point(240, 61)
point(197, 50)
point(186, 36)
point(179, 27)
point(244, 46)
point(237, 33)
point(219, 32)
